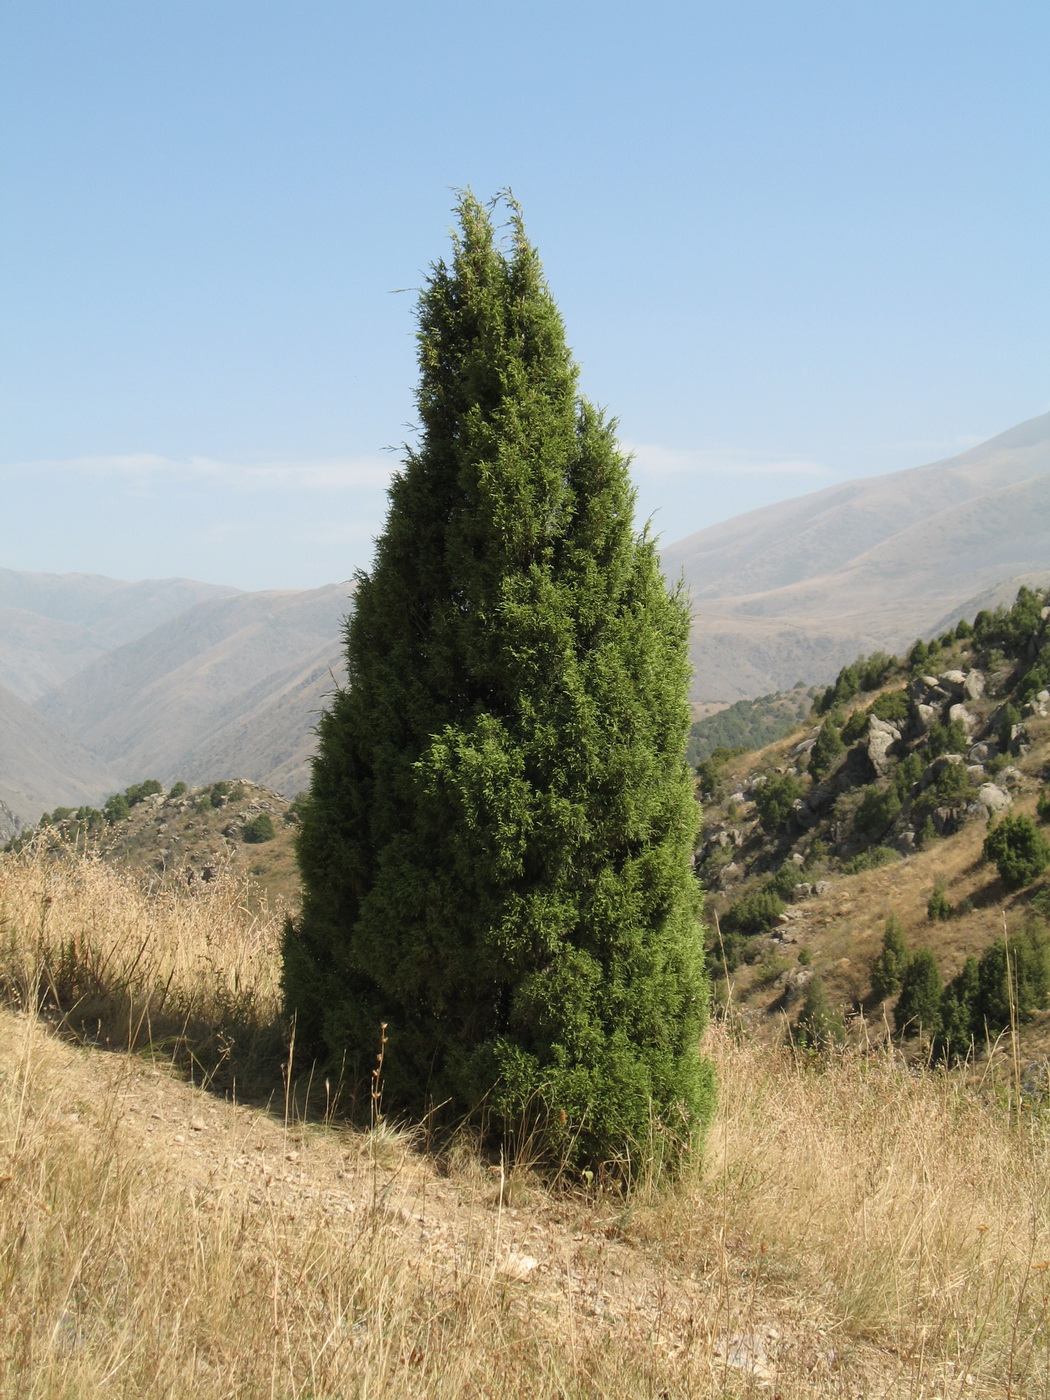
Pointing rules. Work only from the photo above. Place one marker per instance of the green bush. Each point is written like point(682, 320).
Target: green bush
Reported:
point(178, 790)
point(854, 727)
point(893, 707)
point(937, 906)
point(888, 969)
point(819, 1026)
point(116, 808)
point(907, 774)
point(755, 912)
point(1042, 806)
point(827, 751)
point(1009, 716)
point(1019, 850)
point(870, 860)
point(918, 656)
point(947, 738)
point(219, 792)
point(774, 799)
point(878, 810)
point(918, 1009)
point(259, 829)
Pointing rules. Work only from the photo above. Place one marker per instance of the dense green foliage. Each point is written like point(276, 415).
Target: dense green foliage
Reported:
point(774, 799)
point(710, 774)
point(878, 810)
point(818, 1026)
point(496, 848)
point(891, 706)
point(938, 906)
point(827, 751)
point(864, 674)
point(888, 969)
point(259, 829)
point(1019, 849)
point(918, 1009)
point(749, 724)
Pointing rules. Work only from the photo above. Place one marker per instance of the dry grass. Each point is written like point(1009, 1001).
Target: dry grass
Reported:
point(855, 1229)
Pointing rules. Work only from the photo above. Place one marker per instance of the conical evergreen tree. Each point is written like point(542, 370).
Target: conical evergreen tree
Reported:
point(495, 852)
point(888, 970)
point(918, 1009)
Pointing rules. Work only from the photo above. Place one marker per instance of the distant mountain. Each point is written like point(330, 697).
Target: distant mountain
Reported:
point(42, 767)
point(793, 591)
point(53, 625)
point(226, 688)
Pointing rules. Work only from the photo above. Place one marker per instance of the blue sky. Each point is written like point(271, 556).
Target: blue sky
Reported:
point(792, 242)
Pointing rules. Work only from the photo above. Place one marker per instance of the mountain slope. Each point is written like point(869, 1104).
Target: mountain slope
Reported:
point(41, 766)
point(53, 625)
point(794, 590)
point(164, 702)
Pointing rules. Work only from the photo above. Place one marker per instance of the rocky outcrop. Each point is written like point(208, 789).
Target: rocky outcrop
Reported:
point(882, 736)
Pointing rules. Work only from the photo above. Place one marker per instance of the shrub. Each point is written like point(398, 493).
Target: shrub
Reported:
point(963, 630)
point(918, 655)
point(218, 794)
point(116, 808)
point(893, 707)
point(1042, 806)
point(754, 912)
point(959, 1013)
point(816, 855)
point(259, 829)
point(1009, 716)
point(870, 860)
point(785, 880)
point(888, 969)
point(937, 906)
point(178, 790)
point(1019, 850)
point(854, 727)
point(918, 1009)
point(947, 738)
point(1013, 976)
point(775, 798)
point(907, 774)
point(878, 810)
point(818, 1026)
point(827, 751)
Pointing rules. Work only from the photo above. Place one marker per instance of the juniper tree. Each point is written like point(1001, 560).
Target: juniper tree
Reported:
point(495, 850)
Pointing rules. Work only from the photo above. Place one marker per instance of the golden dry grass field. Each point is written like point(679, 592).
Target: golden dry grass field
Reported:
point(173, 1223)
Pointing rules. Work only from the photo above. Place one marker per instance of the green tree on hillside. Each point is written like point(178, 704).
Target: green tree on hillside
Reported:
point(918, 1009)
point(496, 847)
point(818, 1025)
point(1019, 849)
point(888, 969)
point(827, 751)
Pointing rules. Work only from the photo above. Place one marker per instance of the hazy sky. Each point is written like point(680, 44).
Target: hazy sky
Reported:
point(792, 242)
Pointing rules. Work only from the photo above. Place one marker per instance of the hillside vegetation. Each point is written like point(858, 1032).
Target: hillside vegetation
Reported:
point(852, 1230)
point(750, 724)
point(912, 810)
point(797, 588)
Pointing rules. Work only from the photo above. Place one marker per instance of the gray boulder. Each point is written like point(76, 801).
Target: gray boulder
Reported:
point(993, 798)
point(881, 738)
point(954, 682)
point(973, 686)
point(963, 715)
point(925, 717)
point(982, 753)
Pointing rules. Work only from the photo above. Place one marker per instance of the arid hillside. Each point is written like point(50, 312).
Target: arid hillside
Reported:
point(851, 1229)
point(795, 590)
